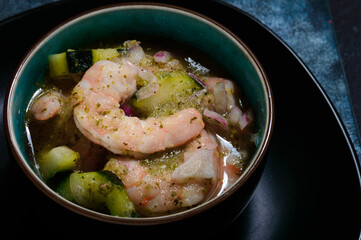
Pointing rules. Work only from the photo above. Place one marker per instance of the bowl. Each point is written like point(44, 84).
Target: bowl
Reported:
point(148, 20)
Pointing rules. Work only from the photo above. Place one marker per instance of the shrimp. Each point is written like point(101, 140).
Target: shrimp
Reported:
point(47, 105)
point(97, 114)
point(193, 181)
point(224, 92)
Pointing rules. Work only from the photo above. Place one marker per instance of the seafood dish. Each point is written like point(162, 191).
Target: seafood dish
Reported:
point(137, 130)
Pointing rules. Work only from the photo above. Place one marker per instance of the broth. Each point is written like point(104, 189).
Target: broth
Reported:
point(156, 183)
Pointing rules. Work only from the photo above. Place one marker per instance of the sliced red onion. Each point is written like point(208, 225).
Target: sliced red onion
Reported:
point(237, 117)
point(150, 88)
point(229, 90)
point(128, 110)
point(197, 79)
point(217, 117)
point(220, 96)
point(152, 85)
point(126, 62)
point(131, 43)
point(196, 98)
point(135, 53)
point(243, 121)
point(199, 93)
point(234, 116)
point(162, 57)
point(231, 101)
point(210, 82)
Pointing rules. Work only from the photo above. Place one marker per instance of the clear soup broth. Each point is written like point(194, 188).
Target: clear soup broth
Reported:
point(137, 129)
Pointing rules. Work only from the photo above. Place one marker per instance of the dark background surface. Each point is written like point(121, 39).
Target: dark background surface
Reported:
point(347, 26)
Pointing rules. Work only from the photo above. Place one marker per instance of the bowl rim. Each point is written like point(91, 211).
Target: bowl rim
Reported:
point(259, 155)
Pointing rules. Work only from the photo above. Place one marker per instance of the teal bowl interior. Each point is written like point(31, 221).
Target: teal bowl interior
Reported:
point(146, 20)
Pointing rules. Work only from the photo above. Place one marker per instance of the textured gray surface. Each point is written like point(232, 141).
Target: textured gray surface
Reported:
point(9, 8)
point(347, 26)
point(305, 25)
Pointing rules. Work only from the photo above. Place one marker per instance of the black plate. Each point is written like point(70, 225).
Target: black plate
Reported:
point(311, 183)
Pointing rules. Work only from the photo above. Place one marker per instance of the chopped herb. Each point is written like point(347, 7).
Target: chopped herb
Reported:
point(122, 50)
point(105, 112)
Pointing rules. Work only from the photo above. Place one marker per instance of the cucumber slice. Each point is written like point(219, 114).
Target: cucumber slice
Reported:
point(58, 159)
point(90, 189)
point(105, 54)
point(79, 61)
point(119, 204)
point(58, 65)
point(99, 191)
point(73, 62)
point(174, 87)
point(63, 189)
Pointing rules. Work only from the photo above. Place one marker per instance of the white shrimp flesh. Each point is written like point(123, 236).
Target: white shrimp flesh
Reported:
point(193, 181)
point(47, 105)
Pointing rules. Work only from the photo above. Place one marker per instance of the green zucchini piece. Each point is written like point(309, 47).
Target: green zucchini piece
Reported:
point(74, 62)
point(105, 54)
point(58, 65)
point(79, 61)
point(99, 191)
point(58, 159)
point(119, 204)
point(174, 87)
point(63, 189)
point(90, 189)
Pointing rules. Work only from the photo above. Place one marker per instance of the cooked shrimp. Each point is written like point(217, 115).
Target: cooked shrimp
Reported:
point(223, 90)
point(47, 105)
point(164, 190)
point(232, 162)
point(97, 114)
